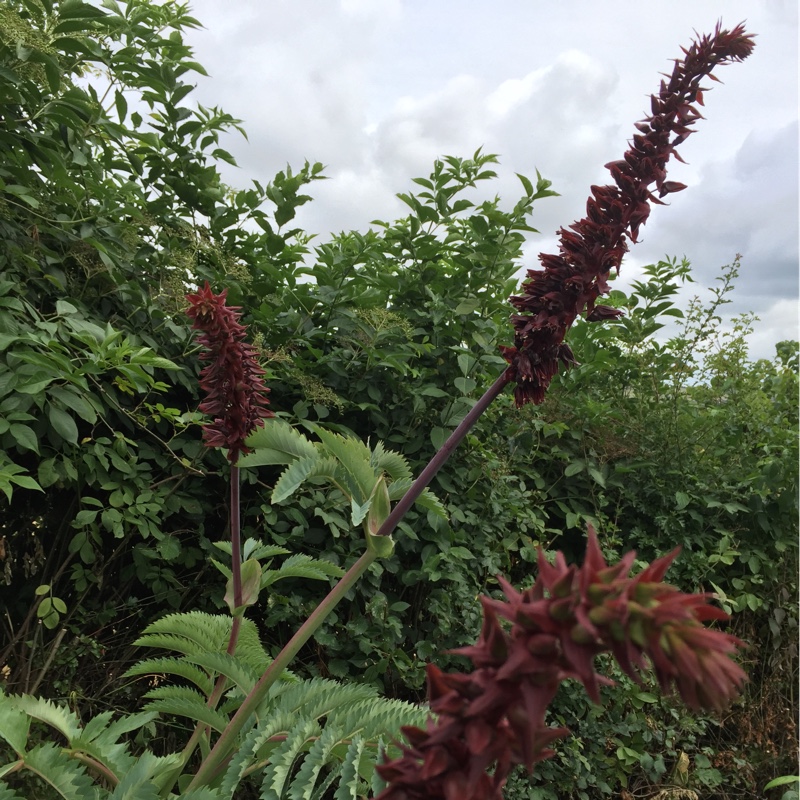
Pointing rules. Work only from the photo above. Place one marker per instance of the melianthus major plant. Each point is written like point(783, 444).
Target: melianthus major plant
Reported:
point(486, 721)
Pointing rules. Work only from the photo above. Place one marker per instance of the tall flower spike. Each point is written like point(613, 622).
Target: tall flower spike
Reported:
point(236, 395)
point(571, 282)
point(495, 715)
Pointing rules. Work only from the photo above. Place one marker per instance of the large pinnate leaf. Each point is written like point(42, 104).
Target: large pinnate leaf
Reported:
point(275, 443)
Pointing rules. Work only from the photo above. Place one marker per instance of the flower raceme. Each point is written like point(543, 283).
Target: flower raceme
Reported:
point(495, 716)
point(236, 395)
point(571, 282)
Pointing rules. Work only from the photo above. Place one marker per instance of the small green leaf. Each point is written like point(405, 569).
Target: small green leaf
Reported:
point(63, 424)
point(45, 608)
point(24, 436)
point(358, 512)
point(78, 404)
point(47, 473)
point(465, 385)
point(439, 437)
point(26, 482)
point(121, 104)
point(526, 184)
point(597, 476)
point(467, 306)
point(35, 387)
point(682, 500)
point(169, 547)
point(784, 780)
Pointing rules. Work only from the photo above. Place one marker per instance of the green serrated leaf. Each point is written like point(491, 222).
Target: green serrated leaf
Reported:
point(283, 758)
point(302, 566)
point(281, 440)
point(233, 668)
point(292, 477)
point(14, 724)
point(390, 462)
point(319, 756)
point(6, 792)
point(203, 793)
point(61, 772)
point(172, 666)
point(275, 723)
point(138, 782)
point(430, 502)
point(348, 788)
point(185, 702)
point(358, 512)
point(58, 717)
point(355, 459)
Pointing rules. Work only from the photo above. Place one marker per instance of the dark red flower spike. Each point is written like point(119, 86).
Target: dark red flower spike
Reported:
point(236, 395)
point(570, 282)
point(495, 715)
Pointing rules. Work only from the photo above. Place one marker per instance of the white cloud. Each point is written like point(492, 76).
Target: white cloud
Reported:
point(378, 89)
point(777, 323)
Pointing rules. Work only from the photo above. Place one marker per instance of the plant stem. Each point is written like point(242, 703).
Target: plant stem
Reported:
point(227, 740)
point(225, 744)
point(50, 656)
point(169, 778)
point(236, 540)
point(436, 463)
point(95, 766)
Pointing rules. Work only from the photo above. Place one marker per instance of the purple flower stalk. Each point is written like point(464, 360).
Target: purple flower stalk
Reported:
point(236, 395)
point(571, 281)
point(495, 716)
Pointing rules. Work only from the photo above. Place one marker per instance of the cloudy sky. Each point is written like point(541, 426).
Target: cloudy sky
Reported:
point(377, 89)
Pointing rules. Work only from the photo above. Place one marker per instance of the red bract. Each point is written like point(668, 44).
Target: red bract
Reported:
point(495, 716)
point(236, 395)
point(570, 282)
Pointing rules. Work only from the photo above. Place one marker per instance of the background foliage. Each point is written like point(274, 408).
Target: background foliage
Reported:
point(111, 204)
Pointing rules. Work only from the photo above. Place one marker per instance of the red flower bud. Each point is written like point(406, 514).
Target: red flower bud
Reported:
point(236, 395)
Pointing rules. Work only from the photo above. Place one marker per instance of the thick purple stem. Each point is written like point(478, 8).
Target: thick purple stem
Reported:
point(236, 540)
point(227, 740)
point(436, 463)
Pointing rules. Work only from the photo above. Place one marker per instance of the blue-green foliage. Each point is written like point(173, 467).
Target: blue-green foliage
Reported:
point(307, 737)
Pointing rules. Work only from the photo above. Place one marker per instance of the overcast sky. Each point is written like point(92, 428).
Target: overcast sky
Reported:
point(377, 89)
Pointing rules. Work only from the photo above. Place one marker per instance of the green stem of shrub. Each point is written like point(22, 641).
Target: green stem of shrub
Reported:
point(226, 743)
